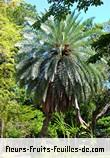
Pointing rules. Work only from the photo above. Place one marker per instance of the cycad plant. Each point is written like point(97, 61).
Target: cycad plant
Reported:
point(54, 67)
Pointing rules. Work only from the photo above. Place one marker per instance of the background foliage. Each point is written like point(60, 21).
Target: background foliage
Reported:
point(19, 115)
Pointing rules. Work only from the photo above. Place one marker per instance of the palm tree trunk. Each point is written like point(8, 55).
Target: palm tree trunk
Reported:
point(44, 130)
point(93, 124)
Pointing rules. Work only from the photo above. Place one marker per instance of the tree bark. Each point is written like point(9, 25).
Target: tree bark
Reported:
point(97, 115)
point(44, 130)
point(103, 112)
point(78, 114)
point(93, 124)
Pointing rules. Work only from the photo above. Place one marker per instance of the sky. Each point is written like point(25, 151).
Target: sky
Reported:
point(101, 13)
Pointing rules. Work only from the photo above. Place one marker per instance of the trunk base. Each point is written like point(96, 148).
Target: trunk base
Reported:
point(44, 130)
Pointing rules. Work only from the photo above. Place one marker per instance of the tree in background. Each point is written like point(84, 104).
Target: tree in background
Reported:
point(60, 8)
point(18, 10)
point(10, 34)
point(17, 116)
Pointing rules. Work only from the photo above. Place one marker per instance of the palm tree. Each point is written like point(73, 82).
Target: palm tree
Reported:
point(55, 71)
